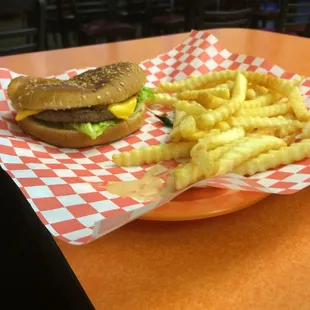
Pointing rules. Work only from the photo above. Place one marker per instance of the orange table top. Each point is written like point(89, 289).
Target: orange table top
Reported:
point(257, 258)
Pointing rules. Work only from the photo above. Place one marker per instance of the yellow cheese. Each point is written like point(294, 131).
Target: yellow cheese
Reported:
point(25, 113)
point(124, 109)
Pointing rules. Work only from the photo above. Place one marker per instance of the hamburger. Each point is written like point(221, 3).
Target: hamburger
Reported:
point(96, 107)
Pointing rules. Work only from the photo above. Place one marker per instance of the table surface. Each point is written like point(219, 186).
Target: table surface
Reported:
point(257, 258)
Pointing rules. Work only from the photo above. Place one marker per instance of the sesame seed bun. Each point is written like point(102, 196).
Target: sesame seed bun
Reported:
point(73, 139)
point(102, 86)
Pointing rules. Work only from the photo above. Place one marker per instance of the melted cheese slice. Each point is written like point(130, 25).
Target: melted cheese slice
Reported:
point(124, 109)
point(25, 113)
point(121, 110)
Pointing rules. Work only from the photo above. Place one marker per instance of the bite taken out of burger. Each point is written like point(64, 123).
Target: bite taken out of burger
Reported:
point(96, 107)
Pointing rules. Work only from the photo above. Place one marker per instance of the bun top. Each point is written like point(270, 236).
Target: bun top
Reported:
point(102, 86)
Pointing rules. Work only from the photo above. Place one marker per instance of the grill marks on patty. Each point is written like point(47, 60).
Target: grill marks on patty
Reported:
point(84, 115)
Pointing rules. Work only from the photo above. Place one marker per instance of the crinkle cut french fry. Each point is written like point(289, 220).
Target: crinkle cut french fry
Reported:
point(199, 134)
point(289, 139)
point(305, 134)
point(280, 100)
point(188, 126)
point(153, 154)
point(173, 87)
point(217, 153)
point(164, 99)
point(190, 108)
point(213, 141)
point(229, 84)
point(222, 113)
point(281, 86)
point(268, 111)
point(287, 130)
point(240, 87)
point(186, 174)
point(178, 116)
point(196, 82)
point(209, 119)
point(194, 94)
point(222, 126)
point(175, 134)
point(191, 173)
point(212, 77)
point(263, 80)
point(260, 101)
point(208, 161)
point(266, 131)
point(200, 157)
point(220, 92)
point(261, 90)
point(205, 86)
point(290, 116)
point(251, 122)
point(298, 105)
point(275, 158)
point(250, 94)
point(199, 152)
point(246, 149)
point(210, 101)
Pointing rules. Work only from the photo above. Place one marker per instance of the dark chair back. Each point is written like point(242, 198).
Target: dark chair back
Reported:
point(208, 19)
point(60, 19)
point(97, 20)
point(158, 7)
point(170, 9)
point(86, 10)
point(29, 36)
point(133, 10)
point(295, 17)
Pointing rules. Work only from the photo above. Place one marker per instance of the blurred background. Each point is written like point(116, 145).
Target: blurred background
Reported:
point(34, 25)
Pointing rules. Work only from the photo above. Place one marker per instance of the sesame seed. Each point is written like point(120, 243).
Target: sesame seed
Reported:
point(98, 97)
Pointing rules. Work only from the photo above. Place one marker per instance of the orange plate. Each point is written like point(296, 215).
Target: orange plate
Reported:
point(199, 203)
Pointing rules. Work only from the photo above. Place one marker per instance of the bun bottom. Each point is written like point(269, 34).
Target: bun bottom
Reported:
point(68, 138)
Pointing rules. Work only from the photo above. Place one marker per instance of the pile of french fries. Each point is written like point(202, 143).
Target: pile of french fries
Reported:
point(229, 122)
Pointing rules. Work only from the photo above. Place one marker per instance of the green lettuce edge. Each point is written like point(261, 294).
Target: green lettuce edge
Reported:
point(94, 130)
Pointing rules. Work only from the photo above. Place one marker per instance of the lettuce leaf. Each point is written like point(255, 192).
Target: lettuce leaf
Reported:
point(92, 129)
point(144, 94)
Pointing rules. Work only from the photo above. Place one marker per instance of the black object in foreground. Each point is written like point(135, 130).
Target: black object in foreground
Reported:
point(164, 118)
point(34, 273)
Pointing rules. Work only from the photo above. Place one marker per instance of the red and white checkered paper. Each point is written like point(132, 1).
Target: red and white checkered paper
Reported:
point(58, 183)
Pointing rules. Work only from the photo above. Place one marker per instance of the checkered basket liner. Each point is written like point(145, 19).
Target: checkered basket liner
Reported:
point(59, 183)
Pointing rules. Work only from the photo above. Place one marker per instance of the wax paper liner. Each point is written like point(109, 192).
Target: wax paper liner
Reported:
point(59, 183)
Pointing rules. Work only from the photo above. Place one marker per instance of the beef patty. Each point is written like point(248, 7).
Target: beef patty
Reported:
point(84, 115)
